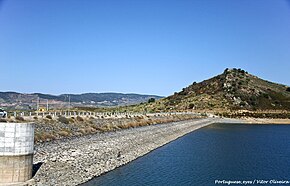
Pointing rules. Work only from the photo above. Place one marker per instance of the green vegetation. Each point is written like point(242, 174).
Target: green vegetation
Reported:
point(151, 100)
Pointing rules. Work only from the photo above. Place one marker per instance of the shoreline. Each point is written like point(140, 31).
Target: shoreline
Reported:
point(266, 121)
point(78, 160)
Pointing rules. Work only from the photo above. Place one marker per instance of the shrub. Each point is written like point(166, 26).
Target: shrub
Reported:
point(79, 118)
point(71, 120)
point(242, 103)
point(82, 131)
point(44, 136)
point(49, 117)
point(2, 120)
point(63, 133)
point(265, 95)
point(35, 118)
point(288, 89)
point(151, 100)
point(191, 106)
point(19, 118)
point(182, 93)
point(63, 120)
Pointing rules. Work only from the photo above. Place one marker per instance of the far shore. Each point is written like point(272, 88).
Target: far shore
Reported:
point(265, 121)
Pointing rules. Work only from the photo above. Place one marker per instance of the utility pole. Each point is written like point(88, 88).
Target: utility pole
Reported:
point(37, 104)
point(68, 102)
point(47, 105)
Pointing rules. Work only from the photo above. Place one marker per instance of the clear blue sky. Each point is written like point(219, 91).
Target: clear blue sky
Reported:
point(139, 46)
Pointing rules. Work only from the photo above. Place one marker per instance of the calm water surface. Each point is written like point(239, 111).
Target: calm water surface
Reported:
point(216, 152)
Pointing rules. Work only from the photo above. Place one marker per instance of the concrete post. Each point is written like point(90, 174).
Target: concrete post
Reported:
point(16, 152)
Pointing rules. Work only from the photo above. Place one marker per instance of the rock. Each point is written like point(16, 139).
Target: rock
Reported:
point(77, 160)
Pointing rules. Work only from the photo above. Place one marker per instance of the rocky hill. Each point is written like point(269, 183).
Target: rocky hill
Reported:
point(234, 89)
point(14, 100)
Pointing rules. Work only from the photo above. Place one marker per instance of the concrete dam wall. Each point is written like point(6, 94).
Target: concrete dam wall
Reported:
point(16, 152)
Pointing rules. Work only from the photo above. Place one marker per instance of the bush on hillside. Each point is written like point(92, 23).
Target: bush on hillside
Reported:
point(19, 118)
point(63, 120)
point(191, 106)
point(79, 118)
point(2, 120)
point(49, 117)
point(151, 100)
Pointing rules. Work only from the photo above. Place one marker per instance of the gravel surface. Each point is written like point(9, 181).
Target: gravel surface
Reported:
point(76, 160)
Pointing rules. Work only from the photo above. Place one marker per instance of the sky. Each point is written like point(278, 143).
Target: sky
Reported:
point(139, 46)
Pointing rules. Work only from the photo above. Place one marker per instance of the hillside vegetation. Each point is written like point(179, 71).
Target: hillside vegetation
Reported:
point(234, 89)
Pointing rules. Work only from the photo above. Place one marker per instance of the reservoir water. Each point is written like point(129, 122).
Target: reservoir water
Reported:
point(229, 152)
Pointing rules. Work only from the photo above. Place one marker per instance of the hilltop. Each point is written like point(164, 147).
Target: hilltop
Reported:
point(234, 89)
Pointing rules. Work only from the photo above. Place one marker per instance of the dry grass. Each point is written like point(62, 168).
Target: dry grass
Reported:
point(57, 128)
point(64, 133)
point(19, 118)
point(63, 119)
point(3, 120)
point(44, 136)
point(71, 120)
point(79, 118)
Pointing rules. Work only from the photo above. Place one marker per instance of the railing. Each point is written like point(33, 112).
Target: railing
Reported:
point(83, 113)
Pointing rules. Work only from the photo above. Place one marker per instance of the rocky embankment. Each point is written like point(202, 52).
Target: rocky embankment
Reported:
point(77, 160)
point(54, 128)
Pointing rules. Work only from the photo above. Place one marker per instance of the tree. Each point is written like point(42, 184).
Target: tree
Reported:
point(151, 100)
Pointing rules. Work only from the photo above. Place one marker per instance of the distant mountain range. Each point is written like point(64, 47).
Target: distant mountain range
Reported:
point(234, 89)
point(15, 100)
